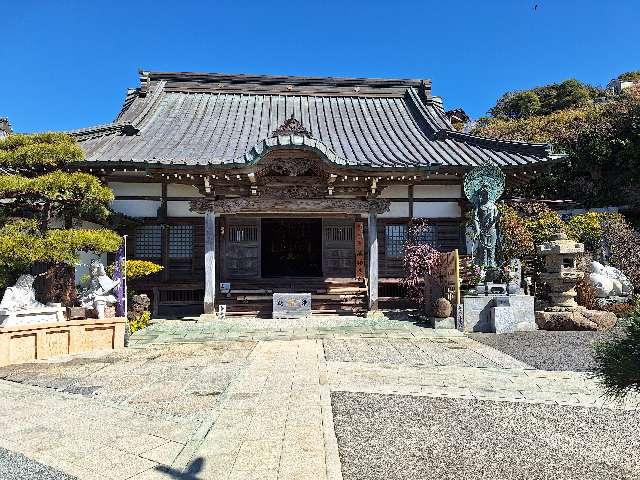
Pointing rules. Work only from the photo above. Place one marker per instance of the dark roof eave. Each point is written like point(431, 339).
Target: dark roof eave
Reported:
point(204, 77)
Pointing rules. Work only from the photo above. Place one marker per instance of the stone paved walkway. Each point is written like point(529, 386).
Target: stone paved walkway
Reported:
point(249, 399)
point(261, 329)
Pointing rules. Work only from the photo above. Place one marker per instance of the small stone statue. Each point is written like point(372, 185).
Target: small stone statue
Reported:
point(483, 186)
point(21, 296)
point(98, 294)
point(442, 308)
point(514, 280)
point(609, 281)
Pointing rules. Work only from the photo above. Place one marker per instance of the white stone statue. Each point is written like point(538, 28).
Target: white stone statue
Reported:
point(609, 281)
point(20, 307)
point(21, 296)
point(98, 294)
point(514, 280)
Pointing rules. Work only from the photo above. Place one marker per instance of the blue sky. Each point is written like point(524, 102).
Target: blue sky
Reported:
point(67, 64)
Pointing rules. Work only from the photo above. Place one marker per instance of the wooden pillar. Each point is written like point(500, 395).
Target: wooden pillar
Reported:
point(209, 262)
point(373, 261)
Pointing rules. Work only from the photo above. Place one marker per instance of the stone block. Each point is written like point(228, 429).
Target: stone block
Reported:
point(444, 323)
point(291, 305)
point(477, 311)
point(51, 313)
point(577, 319)
point(76, 313)
point(506, 319)
point(57, 342)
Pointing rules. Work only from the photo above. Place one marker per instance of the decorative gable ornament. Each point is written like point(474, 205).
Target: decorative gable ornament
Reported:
point(291, 127)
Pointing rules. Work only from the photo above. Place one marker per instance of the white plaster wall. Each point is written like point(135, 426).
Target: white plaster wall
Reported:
point(180, 190)
point(437, 191)
point(436, 210)
point(180, 209)
point(395, 191)
point(136, 208)
point(131, 189)
point(397, 209)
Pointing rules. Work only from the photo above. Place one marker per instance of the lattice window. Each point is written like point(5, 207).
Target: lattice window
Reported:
point(148, 241)
point(339, 233)
point(180, 241)
point(395, 237)
point(427, 235)
point(243, 233)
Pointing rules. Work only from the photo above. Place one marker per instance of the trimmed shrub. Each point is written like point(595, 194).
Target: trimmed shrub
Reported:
point(586, 228)
point(618, 360)
point(135, 269)
point(516, 240)
point(421, 261)
point(541, 221)
point(140, 321)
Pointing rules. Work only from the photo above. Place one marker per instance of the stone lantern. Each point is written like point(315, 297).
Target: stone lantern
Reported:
point(561, 272)
point(562, 275)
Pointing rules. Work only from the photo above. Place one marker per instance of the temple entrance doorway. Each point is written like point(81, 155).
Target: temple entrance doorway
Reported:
point(291, 247)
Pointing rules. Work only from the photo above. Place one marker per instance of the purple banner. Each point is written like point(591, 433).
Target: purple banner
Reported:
point(118, 274)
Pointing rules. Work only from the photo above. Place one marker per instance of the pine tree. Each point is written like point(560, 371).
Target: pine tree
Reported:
point(39, 195)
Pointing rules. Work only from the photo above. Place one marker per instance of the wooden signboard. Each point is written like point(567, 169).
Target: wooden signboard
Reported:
point(358, 239)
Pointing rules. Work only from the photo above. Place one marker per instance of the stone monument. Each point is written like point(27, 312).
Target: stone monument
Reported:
point(291, 305)
point(561, 275)
point(98, 294)
point(495, 307)
point(20, 307)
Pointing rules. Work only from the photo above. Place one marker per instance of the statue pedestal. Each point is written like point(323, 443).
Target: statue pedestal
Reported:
point(498, 313)
point(578, 318)
point(448, 323)
point(51, 313)
point(26, 343)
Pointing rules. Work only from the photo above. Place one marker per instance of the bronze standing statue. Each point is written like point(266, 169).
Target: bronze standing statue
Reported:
point(483, 186)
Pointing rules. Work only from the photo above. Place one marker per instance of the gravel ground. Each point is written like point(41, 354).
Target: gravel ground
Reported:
point(547, 350)
point(14, 466)
point(389, 437)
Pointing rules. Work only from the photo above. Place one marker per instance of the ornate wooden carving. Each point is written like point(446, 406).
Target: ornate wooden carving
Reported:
point(291, 127)
point(289, 167)
point(284, 204)
point(293, 191)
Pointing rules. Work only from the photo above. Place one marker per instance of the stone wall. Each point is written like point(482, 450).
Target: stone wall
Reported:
point(27, 343)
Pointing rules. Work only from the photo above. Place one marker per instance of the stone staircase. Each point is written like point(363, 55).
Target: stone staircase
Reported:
point(340, 296)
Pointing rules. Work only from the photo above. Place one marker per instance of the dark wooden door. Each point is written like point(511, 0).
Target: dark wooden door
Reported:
point(338, 248)
point(291, 247)
point(241, 252)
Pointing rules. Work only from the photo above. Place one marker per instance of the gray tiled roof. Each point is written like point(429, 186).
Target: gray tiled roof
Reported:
point(200, 119)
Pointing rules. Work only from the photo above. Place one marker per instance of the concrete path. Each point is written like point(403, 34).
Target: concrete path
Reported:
point(271, 418)
point(272, 422)
point(84, 438)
